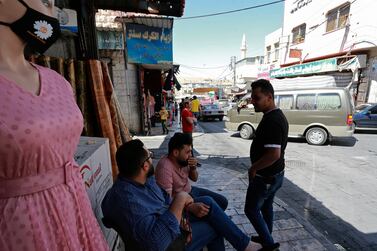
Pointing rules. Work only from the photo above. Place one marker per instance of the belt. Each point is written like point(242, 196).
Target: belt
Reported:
point(269, 179)
point(37, 183)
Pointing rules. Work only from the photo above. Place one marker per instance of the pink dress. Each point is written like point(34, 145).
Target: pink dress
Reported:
point(38, 137)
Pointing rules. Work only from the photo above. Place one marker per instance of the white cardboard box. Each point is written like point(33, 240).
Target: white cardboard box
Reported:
point(93, 157)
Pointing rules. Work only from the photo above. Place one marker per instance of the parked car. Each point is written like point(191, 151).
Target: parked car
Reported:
point(366, 119)
point(211, 111)
point(361, 107)
point(314, 114)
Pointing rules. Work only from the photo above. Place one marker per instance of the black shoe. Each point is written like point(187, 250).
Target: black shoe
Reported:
point(198, 164)
point(273, 247)
point(256, 238)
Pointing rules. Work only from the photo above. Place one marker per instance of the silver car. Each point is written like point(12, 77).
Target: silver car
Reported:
point(211, 111)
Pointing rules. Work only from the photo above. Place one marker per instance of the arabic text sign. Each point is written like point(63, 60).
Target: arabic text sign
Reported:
point(149, 45)
point(308, 68)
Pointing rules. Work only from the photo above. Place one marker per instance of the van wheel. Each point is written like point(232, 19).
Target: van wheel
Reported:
point(221, 118)
point(316, 136)
point(246, 132)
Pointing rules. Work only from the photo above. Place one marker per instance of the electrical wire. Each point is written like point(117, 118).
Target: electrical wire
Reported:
point(231, 11)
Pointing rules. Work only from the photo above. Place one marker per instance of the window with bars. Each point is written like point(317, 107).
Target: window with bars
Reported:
point(337, 18)
point(276, 56)
point(298, 34)
point(268, 49)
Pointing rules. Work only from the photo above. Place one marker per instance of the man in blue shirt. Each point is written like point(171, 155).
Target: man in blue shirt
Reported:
point(142, 212)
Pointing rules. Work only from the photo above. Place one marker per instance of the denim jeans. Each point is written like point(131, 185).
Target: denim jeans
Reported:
point(259, 203)
point(211, 230)
point(220, 199)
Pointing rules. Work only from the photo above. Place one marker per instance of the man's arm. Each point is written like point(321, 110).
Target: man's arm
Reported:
point(270, 156)
point(157, 232)
point(190, 120)
point(193, 173)
point(180, 201)
point(164, 176)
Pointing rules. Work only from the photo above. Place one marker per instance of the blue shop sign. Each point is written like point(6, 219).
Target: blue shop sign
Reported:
point(149, 45)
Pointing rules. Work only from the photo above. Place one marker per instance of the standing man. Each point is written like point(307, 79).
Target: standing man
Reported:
point(266, 173)
point(188, 123)
point(188, 119)
point(195, 106)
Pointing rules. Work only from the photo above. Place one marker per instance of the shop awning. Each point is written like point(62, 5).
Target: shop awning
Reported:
point(321, 66)
point(166, 8)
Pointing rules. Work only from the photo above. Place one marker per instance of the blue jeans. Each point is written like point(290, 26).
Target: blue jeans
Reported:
point(211, 230)
point(220, 199)
point(258, 207)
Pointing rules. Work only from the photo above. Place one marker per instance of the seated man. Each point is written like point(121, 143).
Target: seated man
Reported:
point(174, 171)
point(143, 212)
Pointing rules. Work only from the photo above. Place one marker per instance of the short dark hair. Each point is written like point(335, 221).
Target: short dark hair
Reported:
point(130, 157)
point(178, 141)
point(186, 103)
point(194, 97)
point(264, 85)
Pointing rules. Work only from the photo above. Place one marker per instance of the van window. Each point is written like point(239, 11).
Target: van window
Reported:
point(305, 102)
point(286, 102)
point(330, 101)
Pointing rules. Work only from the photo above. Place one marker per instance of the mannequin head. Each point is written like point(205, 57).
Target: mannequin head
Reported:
point(12, 10)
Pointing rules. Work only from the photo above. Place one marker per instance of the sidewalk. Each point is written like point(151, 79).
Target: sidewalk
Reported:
point(291, 230)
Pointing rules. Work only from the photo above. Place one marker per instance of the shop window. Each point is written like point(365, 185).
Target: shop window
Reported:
point(337, 18)
point(276, 45)
point(305, 102)
point(298, 34)
point(268, 49)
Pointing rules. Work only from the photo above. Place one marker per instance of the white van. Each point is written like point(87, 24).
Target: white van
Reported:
point(315, 114)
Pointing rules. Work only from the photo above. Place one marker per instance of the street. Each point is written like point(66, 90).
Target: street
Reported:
point(331, 186)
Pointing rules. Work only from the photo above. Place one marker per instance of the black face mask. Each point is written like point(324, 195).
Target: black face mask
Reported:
point(38, 30)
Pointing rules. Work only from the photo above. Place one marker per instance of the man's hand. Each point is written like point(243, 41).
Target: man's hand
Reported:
point(192, 162)
point(199, 209)
point(252, 173)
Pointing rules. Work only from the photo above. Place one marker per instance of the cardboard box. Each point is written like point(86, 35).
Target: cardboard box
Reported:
point(93, 157)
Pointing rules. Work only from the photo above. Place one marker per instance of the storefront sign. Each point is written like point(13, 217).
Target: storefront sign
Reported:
point(325, 65)
point(298, 4)
point(110, 40)
point(149, 45)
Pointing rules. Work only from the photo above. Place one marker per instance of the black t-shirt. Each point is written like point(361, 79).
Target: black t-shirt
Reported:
point(272, 131)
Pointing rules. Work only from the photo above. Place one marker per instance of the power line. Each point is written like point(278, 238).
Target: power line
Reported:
point(203, 68)
point(231, 11)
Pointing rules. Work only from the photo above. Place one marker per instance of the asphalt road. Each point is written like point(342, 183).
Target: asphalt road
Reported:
point(333, 186)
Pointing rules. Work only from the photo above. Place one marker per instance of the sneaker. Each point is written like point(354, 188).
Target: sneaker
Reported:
point(273, 247)
point(198, 164)
point(256, 238)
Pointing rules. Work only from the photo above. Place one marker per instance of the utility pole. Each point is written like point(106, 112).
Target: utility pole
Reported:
point(233, 60)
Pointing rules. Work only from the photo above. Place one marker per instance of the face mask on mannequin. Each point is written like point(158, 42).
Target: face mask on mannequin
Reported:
point(38, 30)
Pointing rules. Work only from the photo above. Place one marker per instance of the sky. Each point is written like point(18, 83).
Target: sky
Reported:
point(210, 42)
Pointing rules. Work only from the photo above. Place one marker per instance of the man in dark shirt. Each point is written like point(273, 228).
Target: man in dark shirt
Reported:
point(145, 215)
point(266, 173)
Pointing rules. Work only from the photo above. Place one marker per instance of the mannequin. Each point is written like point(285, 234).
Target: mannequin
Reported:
point(43, 202)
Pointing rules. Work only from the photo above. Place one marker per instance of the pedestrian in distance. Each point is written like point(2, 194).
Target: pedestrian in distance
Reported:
point(164, 115)
point(195, 107)
point(266, 173)
point(43, 201)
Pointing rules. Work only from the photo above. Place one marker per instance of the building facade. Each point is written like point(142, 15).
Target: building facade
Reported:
point(317, 30)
